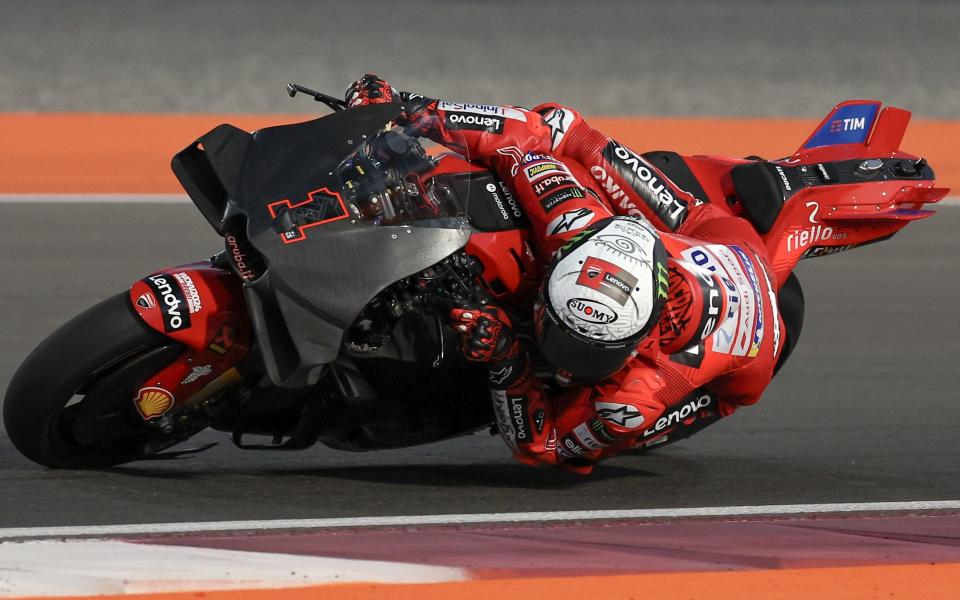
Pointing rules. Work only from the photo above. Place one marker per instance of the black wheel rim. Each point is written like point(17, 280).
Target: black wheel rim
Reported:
point(104, 423)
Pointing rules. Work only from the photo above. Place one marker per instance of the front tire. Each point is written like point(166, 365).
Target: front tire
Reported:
point(70, 404)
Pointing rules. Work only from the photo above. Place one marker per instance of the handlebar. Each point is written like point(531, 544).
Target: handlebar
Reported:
point(335, 104)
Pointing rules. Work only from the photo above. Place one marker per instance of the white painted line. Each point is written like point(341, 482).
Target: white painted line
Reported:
point(489, 518)
point(82, 568)
point(94, 199)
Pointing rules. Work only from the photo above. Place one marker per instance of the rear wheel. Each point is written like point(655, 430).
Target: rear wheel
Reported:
point(70, 404)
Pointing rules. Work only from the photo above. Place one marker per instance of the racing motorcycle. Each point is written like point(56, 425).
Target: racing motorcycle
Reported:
point(346, 243)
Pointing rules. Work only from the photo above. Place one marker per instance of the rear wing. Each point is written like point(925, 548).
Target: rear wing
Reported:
point(860, 123)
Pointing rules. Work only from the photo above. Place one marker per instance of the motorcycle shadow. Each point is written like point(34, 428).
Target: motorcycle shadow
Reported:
point(483, 475)
point(489, 475)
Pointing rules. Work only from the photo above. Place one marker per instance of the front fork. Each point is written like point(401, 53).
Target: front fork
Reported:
point(200, 306)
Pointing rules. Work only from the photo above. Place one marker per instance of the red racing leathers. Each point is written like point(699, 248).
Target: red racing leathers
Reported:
point(566, 176)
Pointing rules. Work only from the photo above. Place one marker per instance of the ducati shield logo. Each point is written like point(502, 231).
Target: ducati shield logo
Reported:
point(146, 300)
point(608, 279)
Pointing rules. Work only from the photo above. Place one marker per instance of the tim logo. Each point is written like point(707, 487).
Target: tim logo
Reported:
point(851, 124)
point(291, 220)
point(848, 124)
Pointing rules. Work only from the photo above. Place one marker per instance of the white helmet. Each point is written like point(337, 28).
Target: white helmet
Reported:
point(603, 293)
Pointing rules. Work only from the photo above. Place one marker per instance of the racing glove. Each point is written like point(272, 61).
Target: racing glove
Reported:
point(417, 109)
point(370, 89)
point(486, 334)
point(487, 337)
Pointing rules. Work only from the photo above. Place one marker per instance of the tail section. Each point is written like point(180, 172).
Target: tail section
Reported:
point(848, 185)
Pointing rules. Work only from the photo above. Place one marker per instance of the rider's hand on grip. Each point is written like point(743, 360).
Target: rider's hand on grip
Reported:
point(370, 89)
point(486, 333)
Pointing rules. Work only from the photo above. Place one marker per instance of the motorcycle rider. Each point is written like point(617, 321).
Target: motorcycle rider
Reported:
point(657, 310)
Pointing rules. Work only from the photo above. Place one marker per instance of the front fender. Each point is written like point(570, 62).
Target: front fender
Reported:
point(198, 305)
point(201, 307)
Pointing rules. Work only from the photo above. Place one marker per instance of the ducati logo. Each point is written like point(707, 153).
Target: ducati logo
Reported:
point(146, 300)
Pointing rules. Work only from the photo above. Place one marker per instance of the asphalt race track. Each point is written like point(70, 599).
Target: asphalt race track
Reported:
point(866, 410)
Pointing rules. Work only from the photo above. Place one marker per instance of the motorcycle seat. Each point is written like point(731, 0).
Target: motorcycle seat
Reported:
point(678, 171)
point(759, 193)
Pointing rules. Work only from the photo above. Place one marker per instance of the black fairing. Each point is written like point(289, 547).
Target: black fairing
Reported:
point(312, 290)
point(209, 170)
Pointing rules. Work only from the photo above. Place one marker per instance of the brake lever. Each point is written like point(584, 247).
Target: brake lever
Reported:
point(335, 104)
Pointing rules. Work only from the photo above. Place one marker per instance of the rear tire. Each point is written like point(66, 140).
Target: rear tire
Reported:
point(70, 404)
point(791, 305)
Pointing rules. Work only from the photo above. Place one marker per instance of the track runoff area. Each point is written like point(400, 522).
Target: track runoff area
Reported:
point(849, 550)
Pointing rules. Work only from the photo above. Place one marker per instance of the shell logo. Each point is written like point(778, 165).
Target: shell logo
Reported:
point(153, 401)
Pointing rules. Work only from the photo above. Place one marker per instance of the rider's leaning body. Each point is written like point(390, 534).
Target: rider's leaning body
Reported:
point(689, 287)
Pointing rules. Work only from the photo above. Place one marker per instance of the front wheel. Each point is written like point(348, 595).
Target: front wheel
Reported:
point(70, 404)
